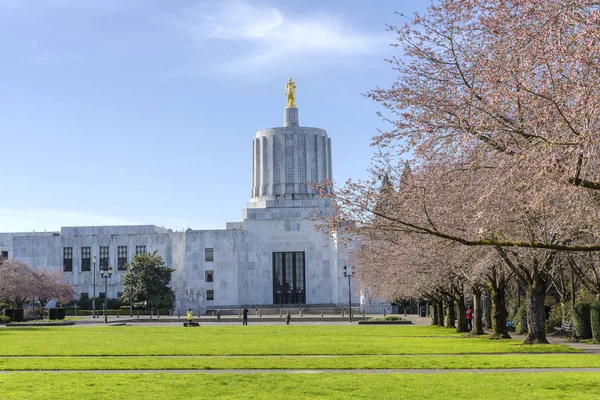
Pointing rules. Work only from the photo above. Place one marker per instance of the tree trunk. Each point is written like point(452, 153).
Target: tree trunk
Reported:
point(440, 308)
point(451, 314)
point(434, 320)
point(536, 315)
point(477, 314)
point(499, 313)
point(462, 317)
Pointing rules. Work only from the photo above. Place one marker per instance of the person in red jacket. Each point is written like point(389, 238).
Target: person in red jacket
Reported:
point(470, 318)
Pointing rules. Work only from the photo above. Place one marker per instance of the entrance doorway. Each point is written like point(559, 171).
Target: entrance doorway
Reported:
point(289, 278)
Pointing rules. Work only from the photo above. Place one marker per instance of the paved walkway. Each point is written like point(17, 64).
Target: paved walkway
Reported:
point(588, 348)
point(311, 371)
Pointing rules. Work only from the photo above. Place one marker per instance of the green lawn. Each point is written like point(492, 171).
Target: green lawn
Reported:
point(303, 362)
point(494, 386)
point(253, 340)
point(282, 347)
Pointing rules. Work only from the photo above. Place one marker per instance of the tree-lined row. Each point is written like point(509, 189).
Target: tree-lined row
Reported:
point(497, 106)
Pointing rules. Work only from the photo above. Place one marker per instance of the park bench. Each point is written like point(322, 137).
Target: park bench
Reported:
point(566, 329)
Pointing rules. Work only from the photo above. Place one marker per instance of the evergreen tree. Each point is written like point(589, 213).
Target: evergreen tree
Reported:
point(148, 277)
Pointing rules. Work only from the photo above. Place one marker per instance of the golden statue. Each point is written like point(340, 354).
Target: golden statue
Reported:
point(290, 91)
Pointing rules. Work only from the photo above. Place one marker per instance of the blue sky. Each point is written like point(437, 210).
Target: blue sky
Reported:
point(143, 112)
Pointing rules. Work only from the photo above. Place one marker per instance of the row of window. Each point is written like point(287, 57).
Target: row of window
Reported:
point(86, 257)
point(4, 254)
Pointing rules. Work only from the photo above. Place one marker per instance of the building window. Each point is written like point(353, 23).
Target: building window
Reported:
point(289, 278)
point(102, 295)
point(84, 296)
point(4, 254)
point(140, 250)
point(209, 276)
point(210, 295)
point(208, 255)
point(103, 257)
point(122, 258)
point(86, 262)
point(67, 259)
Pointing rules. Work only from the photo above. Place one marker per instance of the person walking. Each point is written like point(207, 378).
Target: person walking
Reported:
point(469, 318)
point(245, 316)
point(287, 318)
point(190, 316)
point(218, 316)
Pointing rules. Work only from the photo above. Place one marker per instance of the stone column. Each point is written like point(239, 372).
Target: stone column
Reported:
point(290, 117)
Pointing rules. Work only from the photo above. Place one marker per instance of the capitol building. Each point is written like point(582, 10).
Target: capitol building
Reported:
point(274, 255)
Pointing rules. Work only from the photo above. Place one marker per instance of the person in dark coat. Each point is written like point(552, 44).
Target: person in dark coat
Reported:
point(245, 316)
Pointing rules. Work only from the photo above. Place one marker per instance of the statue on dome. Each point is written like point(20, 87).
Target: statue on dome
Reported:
point(290, 91)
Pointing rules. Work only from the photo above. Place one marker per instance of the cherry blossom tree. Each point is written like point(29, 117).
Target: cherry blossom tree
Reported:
point(19, 283)
point(497, 106)
point(515, 79)
point(51, 285)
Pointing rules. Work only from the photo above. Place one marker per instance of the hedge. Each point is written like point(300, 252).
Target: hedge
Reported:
point(581, 320)
point(15, 314)
point(121, 312)
point(56, 313)
point(595, 320)
point(4, 320)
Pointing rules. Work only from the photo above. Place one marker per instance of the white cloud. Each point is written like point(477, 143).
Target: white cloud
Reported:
point(268, 37)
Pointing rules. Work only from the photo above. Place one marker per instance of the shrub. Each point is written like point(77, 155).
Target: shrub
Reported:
point(521, 320)
point(595, 320)
point(56, 313)
point(581, 320)
point(386, 318)
point(36, 313)
point(113, 304)
point(4, 320)
point(80, 313)
point(4, 305)
point(15, 314)
point(554, 320)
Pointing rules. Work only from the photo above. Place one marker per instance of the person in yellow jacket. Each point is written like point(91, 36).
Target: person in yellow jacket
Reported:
point(190, 315)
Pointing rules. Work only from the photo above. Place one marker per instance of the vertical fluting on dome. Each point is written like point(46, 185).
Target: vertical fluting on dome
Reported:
point(287, 161)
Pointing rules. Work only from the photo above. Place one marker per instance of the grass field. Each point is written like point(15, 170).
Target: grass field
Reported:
point(253, 340)
point(492, 386)
point(314, 348)
point(301, 362)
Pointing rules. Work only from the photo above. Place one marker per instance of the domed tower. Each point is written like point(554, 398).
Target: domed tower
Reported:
point(287, 160)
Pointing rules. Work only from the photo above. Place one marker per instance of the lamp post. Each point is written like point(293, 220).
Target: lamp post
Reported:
point(349, 275)
point(106, 273)
point(94, 288)
point(130, 293)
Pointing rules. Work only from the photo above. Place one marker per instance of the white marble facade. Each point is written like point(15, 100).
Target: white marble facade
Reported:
point(286, 161)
